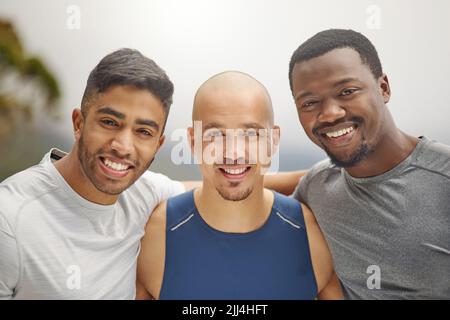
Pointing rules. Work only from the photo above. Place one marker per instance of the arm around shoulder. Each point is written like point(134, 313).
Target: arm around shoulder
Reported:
point(284, 182)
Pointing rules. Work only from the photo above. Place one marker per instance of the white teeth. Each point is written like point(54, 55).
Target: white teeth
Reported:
point(339, 133)
point(114, 165)
point(235, 171)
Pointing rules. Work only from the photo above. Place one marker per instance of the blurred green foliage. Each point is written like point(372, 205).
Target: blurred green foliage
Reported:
point(20, 142)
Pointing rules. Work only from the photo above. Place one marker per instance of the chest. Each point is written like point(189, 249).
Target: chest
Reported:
point(71, 256)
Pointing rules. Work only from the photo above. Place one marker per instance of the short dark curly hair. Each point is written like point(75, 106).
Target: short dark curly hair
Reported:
point(331, 39)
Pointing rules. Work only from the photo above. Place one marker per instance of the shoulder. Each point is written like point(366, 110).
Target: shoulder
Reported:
point(289, 209)
point(149, 190)
point(22, 189)
point(151, 181)
point(318, 174)
point(156, 226)
point(159, 185)
point(157, 219)
point(322, 169)
point(434, 157)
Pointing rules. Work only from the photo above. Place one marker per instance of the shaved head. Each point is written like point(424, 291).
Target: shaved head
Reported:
point(233, 130)
point(231, 89)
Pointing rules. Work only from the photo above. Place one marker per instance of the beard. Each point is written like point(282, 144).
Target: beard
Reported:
point(360, 154)
point(234, 195)
point(89, 166)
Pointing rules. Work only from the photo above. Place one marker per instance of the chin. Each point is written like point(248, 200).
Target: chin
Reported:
point(112, 188)
point(235, 195)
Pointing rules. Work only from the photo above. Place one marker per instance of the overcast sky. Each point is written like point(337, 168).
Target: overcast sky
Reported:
point(193, 40)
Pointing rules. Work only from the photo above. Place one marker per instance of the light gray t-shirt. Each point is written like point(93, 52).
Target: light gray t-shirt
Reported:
point(54, 244)
point(389, 235)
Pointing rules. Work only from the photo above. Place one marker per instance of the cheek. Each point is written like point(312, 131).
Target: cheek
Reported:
point(146, 151)
point(373, 113)
point(207, 172)
point(94, 138)
point(307, 122)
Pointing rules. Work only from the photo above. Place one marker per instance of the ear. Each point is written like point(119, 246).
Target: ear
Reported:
point(275, 139)
point(77, 123)
point(190, 136)
point(161, 142)
point(383, 83)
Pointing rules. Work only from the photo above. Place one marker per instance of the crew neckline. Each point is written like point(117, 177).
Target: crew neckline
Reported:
point(61, 181)
point(236, 234)
point(395, 170)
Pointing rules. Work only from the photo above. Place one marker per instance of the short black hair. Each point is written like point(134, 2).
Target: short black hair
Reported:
point(331, 39)
point(128, 67)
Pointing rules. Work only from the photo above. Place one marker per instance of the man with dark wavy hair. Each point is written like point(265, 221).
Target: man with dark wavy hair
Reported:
point(70, 226)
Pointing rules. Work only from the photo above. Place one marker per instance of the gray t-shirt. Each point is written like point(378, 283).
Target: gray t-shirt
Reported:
point(389, 235)
point(54, 244)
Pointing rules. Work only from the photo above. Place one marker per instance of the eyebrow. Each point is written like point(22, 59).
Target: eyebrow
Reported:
point(111, 112)
point(253, 125)
point(344, 81)
point(249, 125)
point(212, 125)
point(149, 123)
point(120, 115)
point(336, 84)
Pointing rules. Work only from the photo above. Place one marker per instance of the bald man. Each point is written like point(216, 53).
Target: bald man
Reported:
point(231, 238)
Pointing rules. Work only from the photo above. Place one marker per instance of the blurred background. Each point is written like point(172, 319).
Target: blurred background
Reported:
point(48, 48)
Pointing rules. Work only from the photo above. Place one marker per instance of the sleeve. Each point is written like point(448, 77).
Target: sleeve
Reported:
point(9, 261)
point(300, 192)
point(163, 186)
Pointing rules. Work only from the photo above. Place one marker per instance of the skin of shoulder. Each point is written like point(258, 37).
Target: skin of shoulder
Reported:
point(328, 286)
point(150, 268)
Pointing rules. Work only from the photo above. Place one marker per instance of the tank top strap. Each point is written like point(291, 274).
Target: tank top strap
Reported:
point(179, 208)
point(289, 209)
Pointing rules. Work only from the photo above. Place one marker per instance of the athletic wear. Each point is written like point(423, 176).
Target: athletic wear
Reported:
point(272, 262)
point(394, 227)
point(54, 244)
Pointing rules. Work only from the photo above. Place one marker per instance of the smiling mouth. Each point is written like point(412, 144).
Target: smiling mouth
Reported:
point(114, 168)
point(339, 137)
point(235, 173)
point(340, 133)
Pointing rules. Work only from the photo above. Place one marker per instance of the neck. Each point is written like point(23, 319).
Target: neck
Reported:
point(70, 168)
point(391, 150)
point(234, 216)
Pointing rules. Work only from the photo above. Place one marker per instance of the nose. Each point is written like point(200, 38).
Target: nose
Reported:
point(122, 143)
point(331, 111)
point(235, 149)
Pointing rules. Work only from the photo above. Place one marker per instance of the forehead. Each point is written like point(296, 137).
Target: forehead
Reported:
point(234, 109)
point(130, 101)
point(330, 67)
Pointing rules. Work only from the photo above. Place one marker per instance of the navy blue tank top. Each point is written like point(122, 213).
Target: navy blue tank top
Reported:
point(272, 262)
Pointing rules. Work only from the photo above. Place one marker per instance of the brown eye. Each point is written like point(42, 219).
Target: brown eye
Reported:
point(347, 92)
point(109, 122)
point(308, 105)
point(145, 132)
